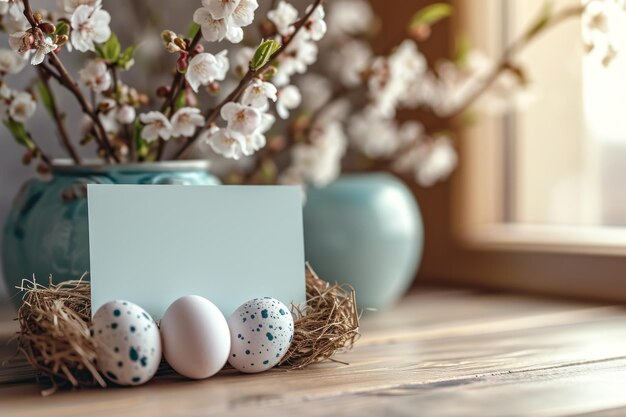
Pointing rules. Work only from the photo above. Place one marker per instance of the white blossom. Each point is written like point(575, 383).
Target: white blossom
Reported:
point(125, 114)
point(12, 8)
point(11, 62)
point(42, 49)
point(243, 119)
point(258, 94)
point(21, 42)
point(315, 25)
point(205, 68)
point(89, 25)
point(300, 53)
point(22, 107)
point(349, 17)
point(316, 91)
point(69, 6)
point(241, 60)
point(16, 24)
point(283, 17)
point(5, 91)
point(226, 142)
point(155, 126)
point(185, 121)
point(319, 163)
point(350, 60)
point(431, 160)
point(219, 19)
point(289, 98)
point(96, 75)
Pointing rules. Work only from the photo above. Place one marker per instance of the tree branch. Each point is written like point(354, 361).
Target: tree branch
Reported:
point(247, 78)
point(59, 119)
point(66, 80)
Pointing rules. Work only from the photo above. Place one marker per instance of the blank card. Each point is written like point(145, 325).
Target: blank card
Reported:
point(151, 244)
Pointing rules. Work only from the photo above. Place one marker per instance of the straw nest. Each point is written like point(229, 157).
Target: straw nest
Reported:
point(54, 329)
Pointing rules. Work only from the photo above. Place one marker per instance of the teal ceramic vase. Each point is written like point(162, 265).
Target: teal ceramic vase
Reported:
point(46, 231)
point(365, 230)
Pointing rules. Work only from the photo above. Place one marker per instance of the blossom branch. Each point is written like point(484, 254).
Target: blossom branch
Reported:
point(66, 80)
point(59, 118)
point(504, 63)
point(234, 95)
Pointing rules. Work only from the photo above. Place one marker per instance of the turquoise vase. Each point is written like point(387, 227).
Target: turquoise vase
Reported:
point(365, 230)
point(46, 231)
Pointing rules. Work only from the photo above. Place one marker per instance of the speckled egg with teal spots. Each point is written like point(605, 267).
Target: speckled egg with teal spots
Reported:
point(261, 331)
point(128, 344)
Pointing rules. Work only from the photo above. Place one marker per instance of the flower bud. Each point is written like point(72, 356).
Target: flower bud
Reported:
point(213, 87)
point(43, 168)
point(172, 48)
point(38, 17)
point(182, 63)
point(180, 43)
point(27, 158)
point(61, 40)
point(125, 114)
point(167, 36)
point(47, 27)
point(163, 91)
point(198, 49)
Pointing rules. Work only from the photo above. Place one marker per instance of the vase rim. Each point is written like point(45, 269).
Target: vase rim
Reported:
point(97, 166)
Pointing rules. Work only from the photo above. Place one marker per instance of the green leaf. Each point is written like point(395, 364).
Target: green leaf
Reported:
point(193, 30)
point(18, 131)
point(126, 58)
point(62, 28)
point(263, 53)
point(112, 48)
point(46, 97)
point(180, 100)
point(99, 51)
point(431, 14)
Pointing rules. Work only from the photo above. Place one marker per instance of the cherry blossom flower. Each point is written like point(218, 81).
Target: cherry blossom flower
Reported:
point(96, 75)
point(21, 42)
point(156, 126)
point(5, 91)
point(349, 17)
point(300, 53)
point(185, 121)
point(11, 62)
point(219, 19)
point(316, 91)
point(12, 8)
point(240, 118)
point(14, 24)
point(125, 114)
point(89, 25)
point(350, 60)
point(283, 17)
point(22, 107)
point(315, 26)
point(69, 6)
point(431, 160)
point(289, 98)
point(42, 49)
point(205, 68)
point(241, 60)
point(319, 163)
point(226, 142)
point(258, 94)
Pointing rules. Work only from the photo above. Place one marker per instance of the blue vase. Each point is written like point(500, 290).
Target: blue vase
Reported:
point(46, 231)
point(365, 230)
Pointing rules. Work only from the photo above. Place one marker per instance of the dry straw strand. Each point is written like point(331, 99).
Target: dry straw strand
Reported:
point(55, 335)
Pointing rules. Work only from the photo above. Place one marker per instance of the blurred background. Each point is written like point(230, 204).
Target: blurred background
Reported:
point(537, 203)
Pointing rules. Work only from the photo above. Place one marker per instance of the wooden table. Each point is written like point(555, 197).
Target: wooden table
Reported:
point(436, 353)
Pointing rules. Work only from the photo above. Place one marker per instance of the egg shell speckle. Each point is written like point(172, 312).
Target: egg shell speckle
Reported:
point(261, 331)
point(128, 344)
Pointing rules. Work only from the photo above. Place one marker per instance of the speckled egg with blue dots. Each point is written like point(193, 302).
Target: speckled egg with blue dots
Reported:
point(261, 331)
point(128, 344)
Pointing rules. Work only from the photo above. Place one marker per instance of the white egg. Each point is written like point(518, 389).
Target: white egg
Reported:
point(128, 345)
point(195, 335)
point(261, 331)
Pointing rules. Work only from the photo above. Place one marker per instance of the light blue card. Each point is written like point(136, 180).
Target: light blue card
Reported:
point(151, 244)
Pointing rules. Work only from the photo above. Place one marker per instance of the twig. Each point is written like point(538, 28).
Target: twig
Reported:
point(59, 118)
point(44, 157)
point(247, 78)
point(514, 48)
point(66, 80)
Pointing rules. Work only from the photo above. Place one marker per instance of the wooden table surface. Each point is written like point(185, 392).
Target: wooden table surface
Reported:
point(437, 353)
